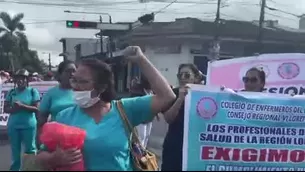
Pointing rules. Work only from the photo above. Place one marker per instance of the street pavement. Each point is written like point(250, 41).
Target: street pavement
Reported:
point(5, 154)
point(155, 142)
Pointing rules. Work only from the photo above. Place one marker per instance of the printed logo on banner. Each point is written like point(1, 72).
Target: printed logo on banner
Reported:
point(207, 108)
point(288, 70)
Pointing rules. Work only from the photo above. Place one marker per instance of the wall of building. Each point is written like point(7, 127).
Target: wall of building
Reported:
point(88, 46)
point(167, 61)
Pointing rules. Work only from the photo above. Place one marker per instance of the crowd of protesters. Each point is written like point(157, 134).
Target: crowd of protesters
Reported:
point(85, 98)
point(7, 77)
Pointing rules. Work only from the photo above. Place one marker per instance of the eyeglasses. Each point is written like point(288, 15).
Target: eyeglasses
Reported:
point(184, 75)
point(250, 79)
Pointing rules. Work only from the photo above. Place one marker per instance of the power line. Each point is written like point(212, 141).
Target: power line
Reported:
point(282, 11)
point(280, 4)
point(129, 10)
point(166, 6)
point(67, 4)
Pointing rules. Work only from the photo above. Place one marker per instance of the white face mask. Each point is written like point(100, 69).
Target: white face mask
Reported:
point(84, 100)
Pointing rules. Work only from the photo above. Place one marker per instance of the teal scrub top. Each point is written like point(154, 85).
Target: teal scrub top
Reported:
point(106, 145)
point(55, 100)
point(23, 118)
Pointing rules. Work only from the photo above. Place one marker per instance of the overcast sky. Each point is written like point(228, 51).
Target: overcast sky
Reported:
point(45, 24)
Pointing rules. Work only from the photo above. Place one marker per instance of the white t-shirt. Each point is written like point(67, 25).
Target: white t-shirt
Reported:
point(144, 130)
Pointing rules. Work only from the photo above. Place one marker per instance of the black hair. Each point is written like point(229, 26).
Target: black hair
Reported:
point(193, 67)
point(61, 68)
point(63, 65)
point(103, 78)
point(261, 74)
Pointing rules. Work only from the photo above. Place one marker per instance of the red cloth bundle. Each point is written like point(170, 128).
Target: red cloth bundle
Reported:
point(55, 135)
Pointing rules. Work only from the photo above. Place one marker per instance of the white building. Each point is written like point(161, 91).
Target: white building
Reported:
point(74, 48)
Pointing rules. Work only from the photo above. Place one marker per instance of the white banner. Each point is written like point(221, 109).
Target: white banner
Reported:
point(42, 87)
point(284, 72)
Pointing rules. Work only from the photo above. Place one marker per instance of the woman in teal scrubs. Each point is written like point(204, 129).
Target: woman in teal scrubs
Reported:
point(21, 103)
point(106, 145)
point(59, 97)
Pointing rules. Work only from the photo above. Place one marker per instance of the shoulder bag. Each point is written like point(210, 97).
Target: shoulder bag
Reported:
point(143, 160)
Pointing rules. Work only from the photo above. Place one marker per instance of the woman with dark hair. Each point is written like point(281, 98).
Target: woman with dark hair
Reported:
point(106, 146)
point(59, 97)
point(174, 116)
point(21, 103)
point(200, 78)
point(254, 80)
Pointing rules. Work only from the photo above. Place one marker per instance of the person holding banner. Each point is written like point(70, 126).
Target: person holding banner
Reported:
point(174, 116)
point(254, 80)
point(21, 103)
point(200, 78)
point(59, 97)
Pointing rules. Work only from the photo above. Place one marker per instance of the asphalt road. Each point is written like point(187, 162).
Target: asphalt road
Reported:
point(5, 153)
point(155, 142)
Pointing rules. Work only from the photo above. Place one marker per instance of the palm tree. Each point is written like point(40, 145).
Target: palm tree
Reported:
point(14, 36)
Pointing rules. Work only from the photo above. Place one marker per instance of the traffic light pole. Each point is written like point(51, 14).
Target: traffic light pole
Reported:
point(101, 35)
point(50, 64)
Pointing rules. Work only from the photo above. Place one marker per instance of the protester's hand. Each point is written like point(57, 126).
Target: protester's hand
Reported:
point(18, 105)
point(66, 157)
point(228, 90)
point(182, 92)
point(133, 53)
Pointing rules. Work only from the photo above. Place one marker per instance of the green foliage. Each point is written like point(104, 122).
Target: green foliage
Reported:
point(14, 46)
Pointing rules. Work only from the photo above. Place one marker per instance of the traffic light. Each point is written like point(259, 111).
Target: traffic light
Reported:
point(81, 24)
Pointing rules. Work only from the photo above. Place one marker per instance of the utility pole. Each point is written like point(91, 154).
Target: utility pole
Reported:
point(217, 21)
point(215, 47)
point(49, 60)
point(261, 26)
point(50, 64)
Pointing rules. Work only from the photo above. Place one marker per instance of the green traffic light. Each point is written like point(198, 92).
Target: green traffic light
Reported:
point(69, 24)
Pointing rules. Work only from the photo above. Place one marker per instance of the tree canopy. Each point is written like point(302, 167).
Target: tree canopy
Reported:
point(14, 46)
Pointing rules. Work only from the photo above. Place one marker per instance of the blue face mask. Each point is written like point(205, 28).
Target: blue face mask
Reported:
point(84, 99)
